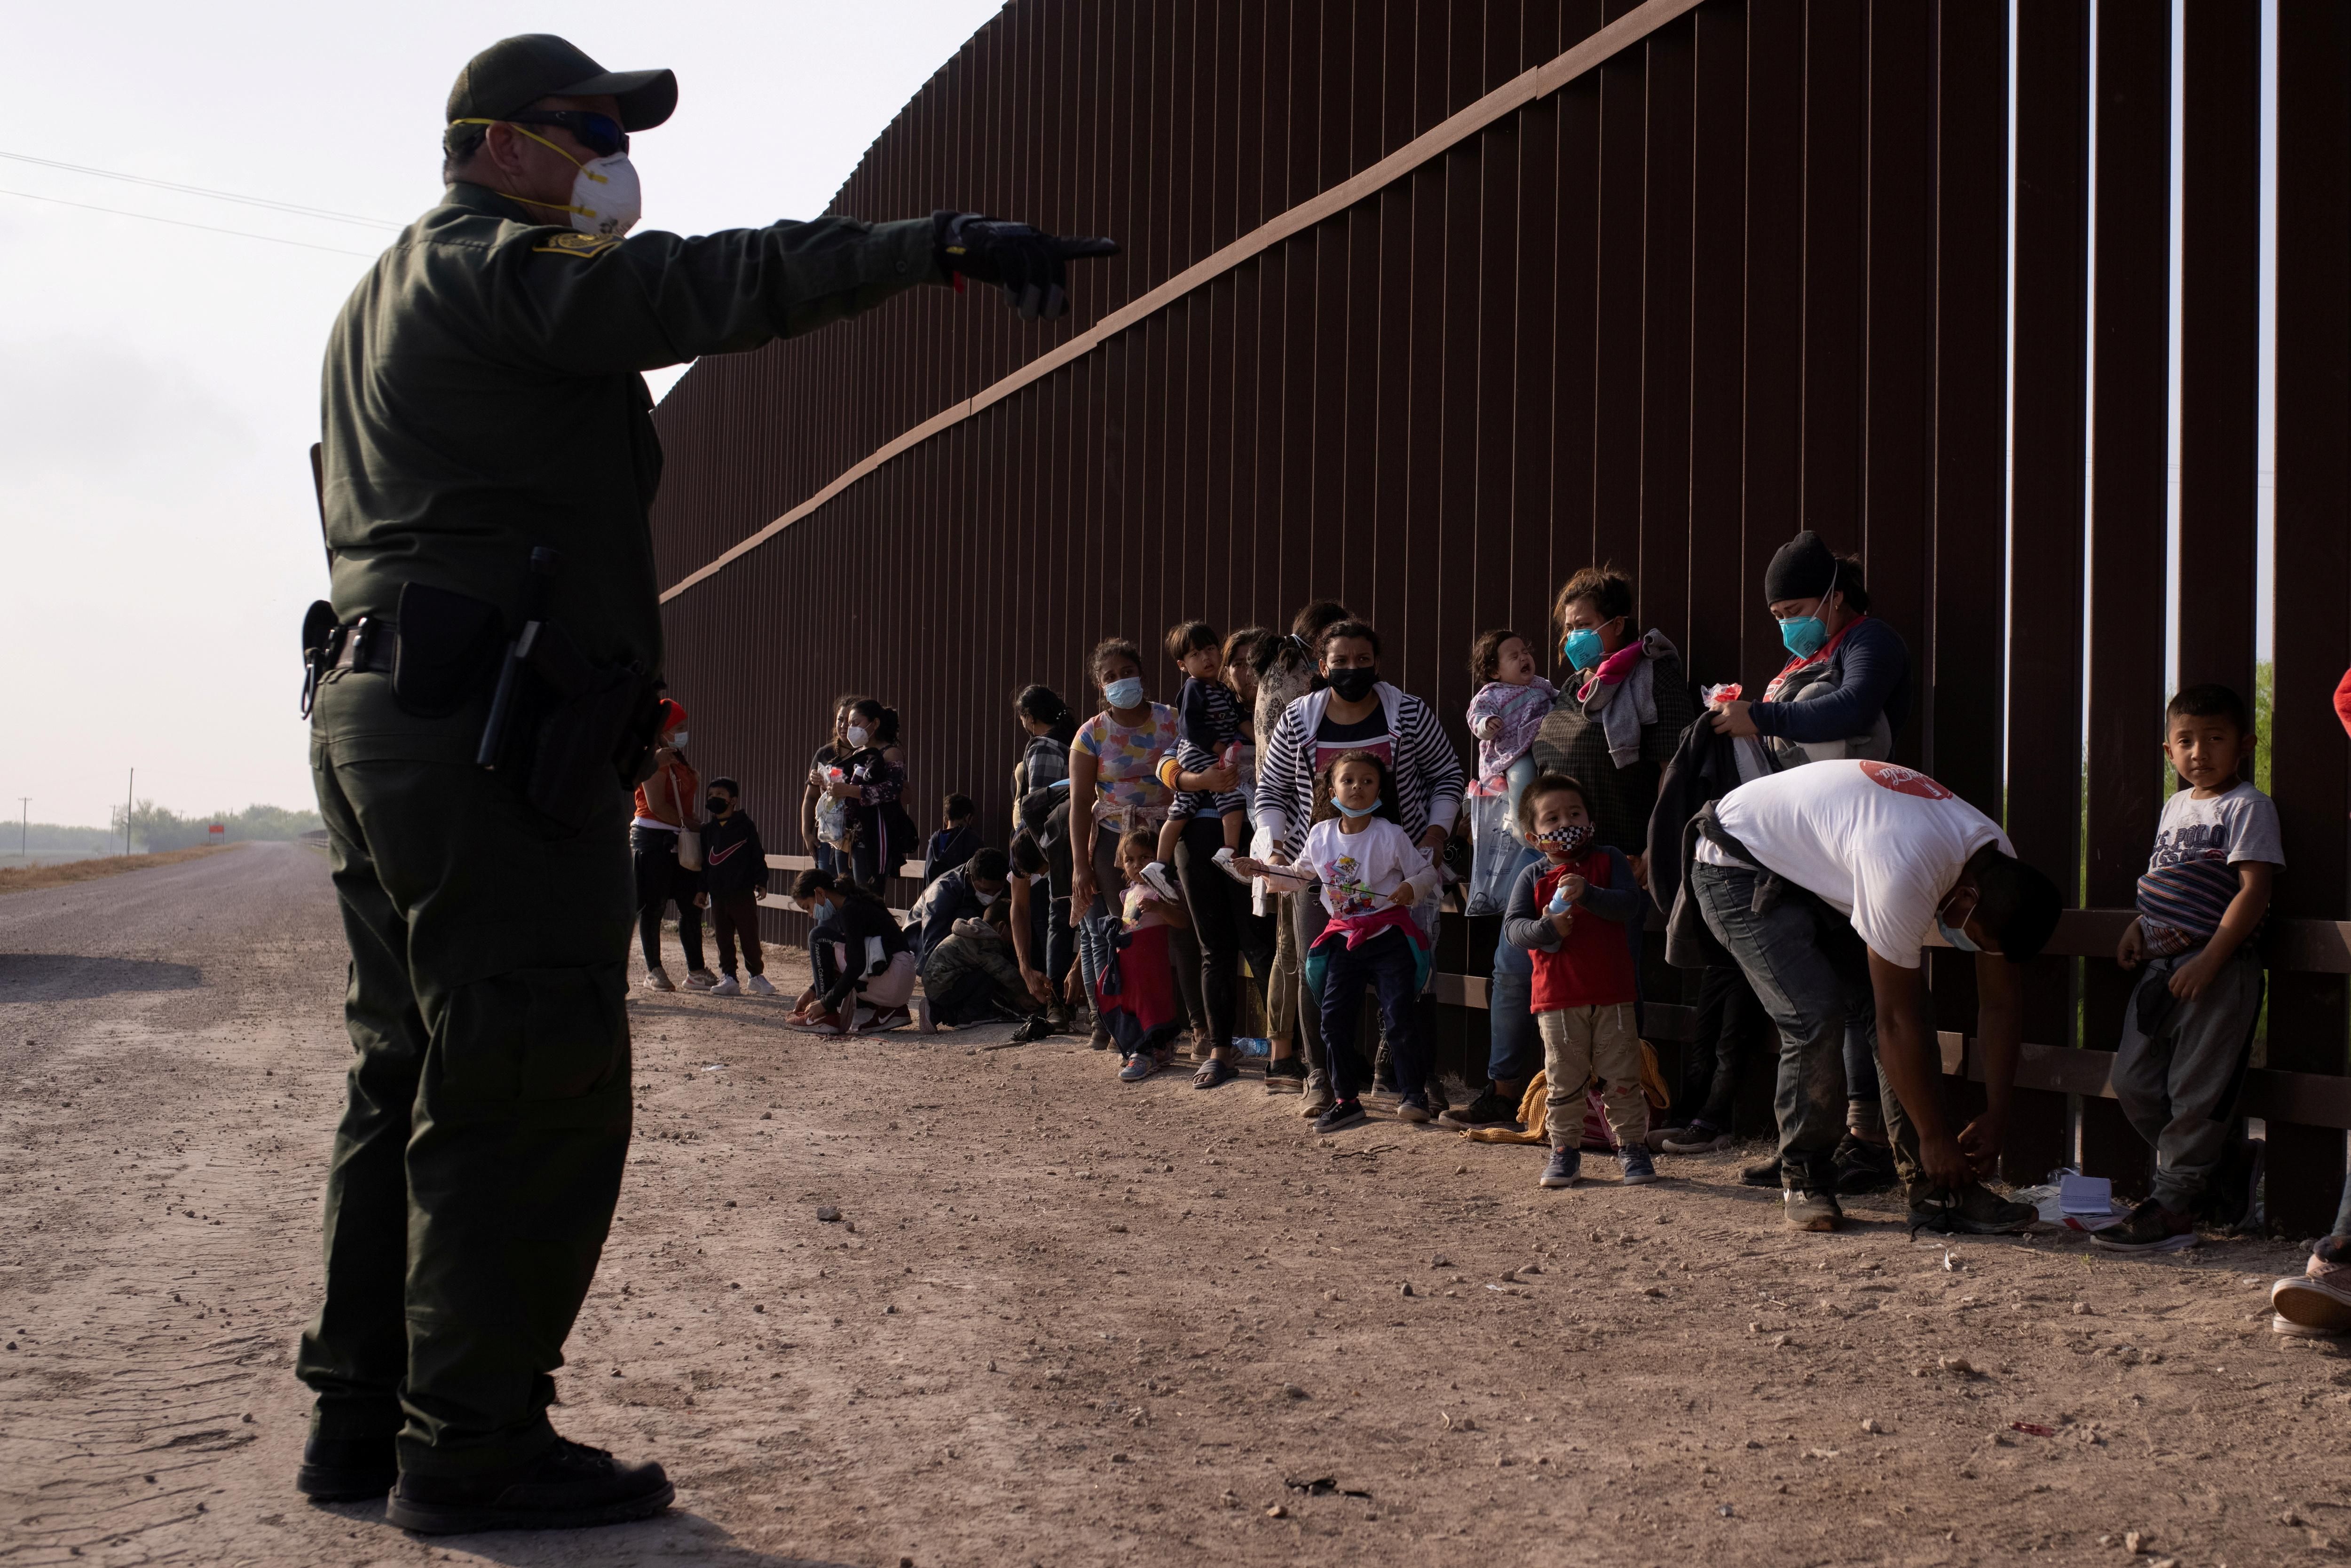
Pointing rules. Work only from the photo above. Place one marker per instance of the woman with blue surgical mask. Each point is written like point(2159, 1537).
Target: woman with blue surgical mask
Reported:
point(1114, 788)
point(1843, 694)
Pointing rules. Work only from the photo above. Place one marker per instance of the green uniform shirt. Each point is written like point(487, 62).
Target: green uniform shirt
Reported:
point(482, 396)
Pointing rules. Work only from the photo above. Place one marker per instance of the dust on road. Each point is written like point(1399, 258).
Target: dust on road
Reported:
point(1067, 1321)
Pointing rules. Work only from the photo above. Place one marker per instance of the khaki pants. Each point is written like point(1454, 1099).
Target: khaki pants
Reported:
point(1582, 1043)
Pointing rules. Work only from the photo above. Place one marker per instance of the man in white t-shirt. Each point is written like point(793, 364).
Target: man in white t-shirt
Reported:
point(1825, 883)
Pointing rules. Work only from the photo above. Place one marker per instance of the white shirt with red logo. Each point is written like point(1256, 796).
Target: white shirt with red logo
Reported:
point(1881, 842)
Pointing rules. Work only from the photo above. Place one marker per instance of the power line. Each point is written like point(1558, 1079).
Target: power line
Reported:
point(268, 202)
point(182, 223)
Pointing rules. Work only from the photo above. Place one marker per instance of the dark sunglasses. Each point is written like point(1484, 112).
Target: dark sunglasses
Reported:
point(600, 133)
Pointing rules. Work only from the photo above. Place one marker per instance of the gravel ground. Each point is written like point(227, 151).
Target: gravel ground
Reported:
point(1064, 1320)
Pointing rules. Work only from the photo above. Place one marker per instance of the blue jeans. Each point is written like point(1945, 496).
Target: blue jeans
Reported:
point(1514, 1051)
point(1387, 964)
point(1814, 984)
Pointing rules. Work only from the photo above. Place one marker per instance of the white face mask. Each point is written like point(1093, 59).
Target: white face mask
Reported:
point(605, 196)
point(987, 898)
point(677, 740)
point(859, 734)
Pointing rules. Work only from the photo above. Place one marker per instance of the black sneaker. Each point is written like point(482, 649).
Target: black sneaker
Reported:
point(1862, 1167)
point(346, 1469)
point(2150, 1227)
point(1764, 1175)
point(1348, 1113)
point(1488, 1109)
point(1972, 1210)
point(569, 1487)
point(1284, 1075)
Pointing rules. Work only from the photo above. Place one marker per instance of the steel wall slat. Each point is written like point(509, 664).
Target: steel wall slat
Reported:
point(1721, 591)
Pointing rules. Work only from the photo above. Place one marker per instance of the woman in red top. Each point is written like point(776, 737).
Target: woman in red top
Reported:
point(665, 807)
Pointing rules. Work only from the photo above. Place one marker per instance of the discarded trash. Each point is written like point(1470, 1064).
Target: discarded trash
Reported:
point(1324, 1486)
point(2032, 1429)
point(1951, 1265)
point(714, 1067)
point(1253, 1045)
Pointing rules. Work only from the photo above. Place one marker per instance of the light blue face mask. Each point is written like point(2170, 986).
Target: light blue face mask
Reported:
point(1124, 693)
point(1803, 634)
point(1959, 937)
point(1345, 809)
point(1582, 648)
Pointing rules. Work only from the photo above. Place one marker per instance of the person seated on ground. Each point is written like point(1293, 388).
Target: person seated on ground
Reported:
point(2188, 1032)
point(1207, 735)
point(956, 840)
point(857, 954)
point(2317, 1301)
point(1825, 883)
point(1371, 875)
point(961, 894)
point(1580, 915)
point(1134, 986)
point(734, 876)
point(974, 977)
point(1510, 705)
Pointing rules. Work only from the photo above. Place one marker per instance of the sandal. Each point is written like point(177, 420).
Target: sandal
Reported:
point(1213, 1072)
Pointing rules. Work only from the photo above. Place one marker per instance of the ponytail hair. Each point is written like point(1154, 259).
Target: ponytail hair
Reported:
point(1041, 703)
point(1849, 582)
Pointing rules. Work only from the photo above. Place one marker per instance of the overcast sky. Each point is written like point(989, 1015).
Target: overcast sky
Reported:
point(160, 385)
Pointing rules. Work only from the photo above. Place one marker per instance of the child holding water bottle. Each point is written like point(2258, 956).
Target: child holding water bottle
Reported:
point(1579, 912)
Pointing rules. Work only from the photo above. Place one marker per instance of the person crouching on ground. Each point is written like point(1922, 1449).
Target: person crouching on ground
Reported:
point(2188, 1032)
point(734, 876)
point(1135, 988)
point(857, 954)
point(974, 975)
point(1372, 875)
point(1573, 911)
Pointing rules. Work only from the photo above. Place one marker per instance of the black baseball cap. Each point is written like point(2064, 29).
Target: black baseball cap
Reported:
point(516, 72)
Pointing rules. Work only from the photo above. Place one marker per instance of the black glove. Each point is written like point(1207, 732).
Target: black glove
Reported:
point(1027, 264)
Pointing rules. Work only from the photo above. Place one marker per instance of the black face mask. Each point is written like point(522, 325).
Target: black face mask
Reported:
point(715, 805)
point(1354, 684)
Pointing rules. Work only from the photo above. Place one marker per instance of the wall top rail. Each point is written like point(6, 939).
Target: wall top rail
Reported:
point(1537, 82)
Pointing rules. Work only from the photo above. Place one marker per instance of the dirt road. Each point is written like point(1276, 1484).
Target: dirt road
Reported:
point(1064, 1320)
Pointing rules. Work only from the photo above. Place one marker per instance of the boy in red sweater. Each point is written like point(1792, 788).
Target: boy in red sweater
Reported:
point(1580, 914)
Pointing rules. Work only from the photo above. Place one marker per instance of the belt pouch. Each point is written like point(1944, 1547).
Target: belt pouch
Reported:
point(448, 653)
point(587, 718)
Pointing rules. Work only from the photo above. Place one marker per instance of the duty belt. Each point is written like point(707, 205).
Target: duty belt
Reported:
point(370, 644)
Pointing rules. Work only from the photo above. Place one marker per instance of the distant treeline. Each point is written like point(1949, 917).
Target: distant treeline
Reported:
point(153, 827)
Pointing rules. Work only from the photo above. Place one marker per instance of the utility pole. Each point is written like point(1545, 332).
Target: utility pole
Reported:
point(25, 804)
point(129, 794)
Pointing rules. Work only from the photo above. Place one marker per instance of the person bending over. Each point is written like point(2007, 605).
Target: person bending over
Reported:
point(1825, 883)
point(857, 954)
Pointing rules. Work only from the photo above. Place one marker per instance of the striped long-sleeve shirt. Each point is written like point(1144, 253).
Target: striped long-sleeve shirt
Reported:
point(1427, 773)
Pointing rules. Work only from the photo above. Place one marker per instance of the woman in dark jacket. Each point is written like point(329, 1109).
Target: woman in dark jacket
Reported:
point(875, 769)
point(1844, 692)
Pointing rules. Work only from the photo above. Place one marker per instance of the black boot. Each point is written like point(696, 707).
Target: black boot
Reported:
point(1862, 1167)
point(346, 1469)
point(567, 1488)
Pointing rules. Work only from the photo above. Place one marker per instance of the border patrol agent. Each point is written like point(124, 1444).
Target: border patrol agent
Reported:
point(484, 685)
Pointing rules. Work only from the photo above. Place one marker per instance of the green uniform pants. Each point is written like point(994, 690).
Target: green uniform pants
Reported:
point(480, 1152)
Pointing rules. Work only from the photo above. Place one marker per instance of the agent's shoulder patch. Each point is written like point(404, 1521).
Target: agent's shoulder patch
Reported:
point(575, 243)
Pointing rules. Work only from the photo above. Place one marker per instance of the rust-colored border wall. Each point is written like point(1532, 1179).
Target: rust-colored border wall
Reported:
point(1751, 273)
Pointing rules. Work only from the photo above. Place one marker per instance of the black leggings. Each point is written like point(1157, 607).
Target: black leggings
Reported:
point(1732, 1025)
point(653, 854)
point(1227, 928)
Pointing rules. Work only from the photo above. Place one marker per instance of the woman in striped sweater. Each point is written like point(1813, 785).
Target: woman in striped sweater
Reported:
point(1356, 711)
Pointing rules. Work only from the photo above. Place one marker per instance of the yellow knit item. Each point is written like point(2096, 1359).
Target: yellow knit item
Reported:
point(1534, 1105)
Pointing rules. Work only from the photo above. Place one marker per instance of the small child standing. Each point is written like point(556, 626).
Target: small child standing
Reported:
point(1207, 735)
point(1509, 707)
point(2189, 1027)
point(1371, 876)
point(957, 837)
point(734, 876)
point(1585, 976)
point(1135, 990)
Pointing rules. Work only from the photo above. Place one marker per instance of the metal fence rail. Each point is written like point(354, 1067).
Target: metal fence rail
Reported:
point(1713, 274)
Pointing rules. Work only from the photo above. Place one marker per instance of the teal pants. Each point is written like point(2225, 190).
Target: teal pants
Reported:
point(486, 1119)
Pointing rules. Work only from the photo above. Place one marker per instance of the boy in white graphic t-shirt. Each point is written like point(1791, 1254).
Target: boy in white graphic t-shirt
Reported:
point(1825, 883)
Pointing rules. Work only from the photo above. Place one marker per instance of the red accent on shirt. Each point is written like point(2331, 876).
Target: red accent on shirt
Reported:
point(1592, 968)
point(1771, 692)
point(2343, 701)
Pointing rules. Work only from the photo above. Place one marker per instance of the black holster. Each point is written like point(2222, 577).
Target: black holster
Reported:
point(591, 728)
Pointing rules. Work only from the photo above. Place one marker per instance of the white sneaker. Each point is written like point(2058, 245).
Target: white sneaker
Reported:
point(701, 980)
point(657, 979)
point(1225, 863)
point(757, 986)
point(1161, 880)
point(2317, 1299)
point(726, 986)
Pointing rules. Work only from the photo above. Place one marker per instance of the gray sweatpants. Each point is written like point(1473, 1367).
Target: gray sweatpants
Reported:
point(2178, 1086)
